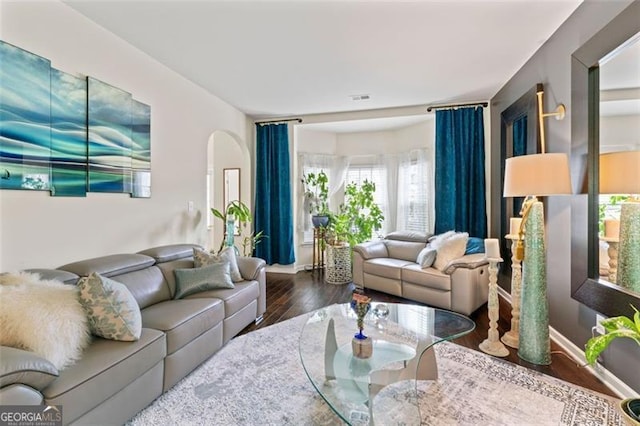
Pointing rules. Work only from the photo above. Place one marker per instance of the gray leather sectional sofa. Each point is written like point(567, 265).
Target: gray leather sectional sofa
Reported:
point(114, 380)
point(390, 266)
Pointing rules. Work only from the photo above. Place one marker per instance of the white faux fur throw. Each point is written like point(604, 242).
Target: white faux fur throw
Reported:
point(42, 316)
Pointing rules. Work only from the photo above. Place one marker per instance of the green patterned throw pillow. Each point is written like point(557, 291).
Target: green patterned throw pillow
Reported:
point(112, 311)
point(228, 255)
point(195, 280)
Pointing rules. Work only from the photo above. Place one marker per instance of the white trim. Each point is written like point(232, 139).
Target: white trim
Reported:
point(616, 385)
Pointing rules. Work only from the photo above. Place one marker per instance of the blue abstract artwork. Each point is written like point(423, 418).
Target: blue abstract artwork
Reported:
point(141, 150)
point(109, 137)
point(25, 116)
point(68, 134)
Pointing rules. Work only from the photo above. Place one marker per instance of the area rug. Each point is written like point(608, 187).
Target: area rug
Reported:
point(258, 379)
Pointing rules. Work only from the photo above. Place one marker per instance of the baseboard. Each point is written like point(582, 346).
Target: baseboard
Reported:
point(616, 385)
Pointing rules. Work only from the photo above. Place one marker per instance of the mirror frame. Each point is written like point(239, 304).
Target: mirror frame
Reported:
point(600, 295)
point(526, 105)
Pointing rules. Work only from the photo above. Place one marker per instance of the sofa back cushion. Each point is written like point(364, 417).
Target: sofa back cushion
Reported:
point(404, 250)
point(147, 286)
point(145, 281)
point(413, 236)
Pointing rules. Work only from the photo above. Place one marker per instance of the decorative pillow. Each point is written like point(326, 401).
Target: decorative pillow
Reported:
point(474, 245)
point(195, 280)
point(438, 239)
point(426, 257)
point(204, 258)
point(111, 308)
point(449, 249)
point(44, 317)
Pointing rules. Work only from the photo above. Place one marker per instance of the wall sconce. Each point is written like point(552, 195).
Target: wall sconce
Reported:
point(530, 176)
point(620, 174)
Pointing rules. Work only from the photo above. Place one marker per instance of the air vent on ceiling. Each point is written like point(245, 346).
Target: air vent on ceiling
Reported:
point(360, 97)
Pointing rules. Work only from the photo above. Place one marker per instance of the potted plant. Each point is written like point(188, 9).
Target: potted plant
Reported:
point(316, 195)
point(617, 327)
point(358, 217)
point(235, 211)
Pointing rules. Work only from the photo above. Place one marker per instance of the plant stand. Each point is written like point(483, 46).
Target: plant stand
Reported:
point(318, 249)
point(338, 265)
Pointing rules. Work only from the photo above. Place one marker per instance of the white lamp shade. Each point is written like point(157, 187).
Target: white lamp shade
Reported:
point(620, 172)
point(537, 174)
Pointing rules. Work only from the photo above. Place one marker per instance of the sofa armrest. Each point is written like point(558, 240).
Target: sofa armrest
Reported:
point(250, 267)
point(254, 268)
point(468, 261)
point(18, 366)
point(371, 249)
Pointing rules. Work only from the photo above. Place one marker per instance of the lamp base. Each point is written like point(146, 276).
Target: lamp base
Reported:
point(493, 348)
point(534, 343)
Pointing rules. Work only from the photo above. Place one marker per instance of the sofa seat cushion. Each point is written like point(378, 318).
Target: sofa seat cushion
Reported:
point(183, 320)
point(386, 267)
point(106, 367)
point(429, 277)
point(234, 298)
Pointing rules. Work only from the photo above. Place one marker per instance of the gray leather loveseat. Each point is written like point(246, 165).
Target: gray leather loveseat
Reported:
point(114, 380)
point(389, 265)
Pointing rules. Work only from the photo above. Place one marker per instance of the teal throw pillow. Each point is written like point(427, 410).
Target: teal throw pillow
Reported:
point(111, 309)
point(195, 280)
point(228, 255)
point(474, 245)
point(426, 257)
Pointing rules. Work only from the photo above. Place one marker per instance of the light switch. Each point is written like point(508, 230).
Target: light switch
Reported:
point(190, 206)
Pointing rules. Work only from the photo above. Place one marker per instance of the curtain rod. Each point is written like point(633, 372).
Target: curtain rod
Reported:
point(282, 120)
point(470, 104)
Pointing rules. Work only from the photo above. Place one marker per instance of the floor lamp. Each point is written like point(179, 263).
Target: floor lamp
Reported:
point(530, 176)
point(620, 174)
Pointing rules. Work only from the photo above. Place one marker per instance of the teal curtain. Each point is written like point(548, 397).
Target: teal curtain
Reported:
point(459, 172)
point(273, 209)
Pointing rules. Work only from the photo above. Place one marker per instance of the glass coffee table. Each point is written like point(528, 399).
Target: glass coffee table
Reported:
point(380, 389)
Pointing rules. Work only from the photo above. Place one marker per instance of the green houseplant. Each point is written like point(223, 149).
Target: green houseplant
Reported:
point(617, 327)
point(358, 217)
point(316, 195)
point(237, 212)
point(614, 327)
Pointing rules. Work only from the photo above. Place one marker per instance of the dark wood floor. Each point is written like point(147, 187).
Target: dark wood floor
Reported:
point(291, 295)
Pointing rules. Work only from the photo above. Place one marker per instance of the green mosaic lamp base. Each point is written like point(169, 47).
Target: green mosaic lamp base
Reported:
point(629, 247)
point(534, 344)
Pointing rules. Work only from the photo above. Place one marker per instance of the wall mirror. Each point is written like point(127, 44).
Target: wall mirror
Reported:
point(231, 190)
point(518, 136)
point(606, 118)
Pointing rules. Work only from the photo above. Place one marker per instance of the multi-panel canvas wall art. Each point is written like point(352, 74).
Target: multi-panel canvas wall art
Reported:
point(25, 116)
point(109, 137)
point(69, 134)
point(141, 149)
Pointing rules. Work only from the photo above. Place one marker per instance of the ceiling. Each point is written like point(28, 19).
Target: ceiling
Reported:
point(284, 58)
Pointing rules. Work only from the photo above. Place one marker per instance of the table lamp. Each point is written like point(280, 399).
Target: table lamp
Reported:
point(530, 176)
point(620, 174)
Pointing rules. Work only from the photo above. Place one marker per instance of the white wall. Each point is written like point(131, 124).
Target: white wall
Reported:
point(37, 230)
point(620, 133)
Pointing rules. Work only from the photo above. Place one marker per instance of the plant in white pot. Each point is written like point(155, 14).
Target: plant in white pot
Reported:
point(316, 195)
point(616, 327)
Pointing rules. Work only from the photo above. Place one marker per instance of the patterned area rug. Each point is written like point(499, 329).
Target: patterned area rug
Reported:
point(258, 379)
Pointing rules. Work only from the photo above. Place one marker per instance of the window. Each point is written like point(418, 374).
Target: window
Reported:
point(378, 175)
point(412, 198)
point(307, 226)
